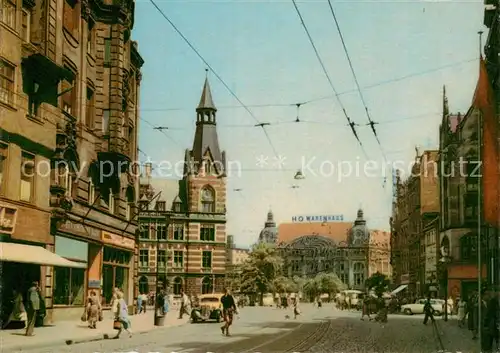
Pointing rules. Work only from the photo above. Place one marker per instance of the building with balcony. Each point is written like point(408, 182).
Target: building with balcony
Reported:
point(182, 238)
point(69, 82)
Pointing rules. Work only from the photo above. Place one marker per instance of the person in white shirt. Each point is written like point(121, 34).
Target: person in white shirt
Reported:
point(184, 304)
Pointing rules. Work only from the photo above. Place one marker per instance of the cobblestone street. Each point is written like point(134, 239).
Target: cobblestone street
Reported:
point(267, 330)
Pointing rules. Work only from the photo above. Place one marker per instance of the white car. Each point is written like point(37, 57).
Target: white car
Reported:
point(418, 307)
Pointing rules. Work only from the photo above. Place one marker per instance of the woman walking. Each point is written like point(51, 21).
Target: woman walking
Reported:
point(296, 310)
point(93, 310)
point(122, 316)
point(461, 312)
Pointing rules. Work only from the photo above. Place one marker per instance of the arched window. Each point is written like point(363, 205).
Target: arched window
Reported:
point(130, 194)
point(206, 285)
point(177, 285)
point(143, 285)
point(207, 200)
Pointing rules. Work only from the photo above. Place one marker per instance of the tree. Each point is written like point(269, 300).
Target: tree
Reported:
point(323, 283)
point(379, 283)
point(260, 270)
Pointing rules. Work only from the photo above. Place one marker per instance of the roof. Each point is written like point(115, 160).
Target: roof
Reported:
point(206, 101)
point(336, 231)
point(170, 189)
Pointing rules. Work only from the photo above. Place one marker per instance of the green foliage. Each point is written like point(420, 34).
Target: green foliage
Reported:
point(260, 271)
point(323, 283)
point(379, 283)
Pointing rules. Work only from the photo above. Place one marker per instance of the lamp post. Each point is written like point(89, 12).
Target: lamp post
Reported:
point(445, 260)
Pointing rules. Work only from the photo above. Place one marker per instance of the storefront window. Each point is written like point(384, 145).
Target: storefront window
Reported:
point(115, 272)
point(69, 286)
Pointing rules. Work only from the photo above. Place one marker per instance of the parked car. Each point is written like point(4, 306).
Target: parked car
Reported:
point(418, 307)
point(208, 309)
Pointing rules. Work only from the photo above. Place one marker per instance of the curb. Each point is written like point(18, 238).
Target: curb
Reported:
point(69, 342)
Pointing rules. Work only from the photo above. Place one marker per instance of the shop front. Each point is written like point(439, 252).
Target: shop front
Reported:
point(117, 266)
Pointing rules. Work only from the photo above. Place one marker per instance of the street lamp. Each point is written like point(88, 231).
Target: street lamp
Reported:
point(445, 260)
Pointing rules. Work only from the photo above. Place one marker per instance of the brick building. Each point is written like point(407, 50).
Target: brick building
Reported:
point(458, 238)
point(183, 229)
point(69, 81)
point(416, 203)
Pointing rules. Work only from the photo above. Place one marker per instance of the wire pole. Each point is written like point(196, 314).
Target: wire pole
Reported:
point(479, 237)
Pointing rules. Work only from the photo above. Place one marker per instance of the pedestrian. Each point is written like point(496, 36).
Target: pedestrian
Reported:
point(228, 311)
point(365, 311)
point(140, 302)
point(296, 310)
point(93, 310)
point(114, 302)
point(18, 314)
point(184, 304)
point(32, 307)
point(490, 334)
point(462, 307)
point(122, 316)
point(428, 310)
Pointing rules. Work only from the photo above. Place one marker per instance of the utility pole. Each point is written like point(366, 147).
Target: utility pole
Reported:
point(479, 208)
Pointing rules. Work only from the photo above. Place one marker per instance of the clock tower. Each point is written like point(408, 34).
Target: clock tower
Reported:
point(359, 235)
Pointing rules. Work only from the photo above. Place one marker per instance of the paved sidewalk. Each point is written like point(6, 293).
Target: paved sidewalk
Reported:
point(455, 338)
point(67, 332)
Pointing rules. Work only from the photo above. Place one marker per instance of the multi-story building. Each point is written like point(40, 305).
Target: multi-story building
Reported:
point(235, 256)
point(183, 229)
point(416, 203)
point(69, 81)
point(354, 257)
point(460, 207)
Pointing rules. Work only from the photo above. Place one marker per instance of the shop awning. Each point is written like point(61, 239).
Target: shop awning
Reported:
point(399, 289)
point(30, 254)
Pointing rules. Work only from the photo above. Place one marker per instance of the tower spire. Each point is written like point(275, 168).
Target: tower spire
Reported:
point(206, 101)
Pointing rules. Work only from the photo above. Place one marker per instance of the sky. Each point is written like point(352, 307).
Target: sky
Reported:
point(403, 52)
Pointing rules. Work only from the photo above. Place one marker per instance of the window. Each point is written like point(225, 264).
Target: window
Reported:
point(130, 203)
point(206, 285)
point(71, 17)
point(107, 51)
point(208, 167)
point(207, 232)
point(161, 231)
point(8, 14)
point(7, 72)
point(177, 286)
point(25, 25)
point(178, 232)
point(105, 122)
point(178, 259)
point(89, 108)
point(90, 37)
point(27, 177)
point(144, 231)
point(144, 258)
point(162, 258)
point(3, 166)
point(207, 200)
point(131, 141)
point(206, 260)
point(91, 192)
point(68, 97)
point(468, 247)
point(160, 206)
point(177, 206)
point(471, 213)
point(69, 286)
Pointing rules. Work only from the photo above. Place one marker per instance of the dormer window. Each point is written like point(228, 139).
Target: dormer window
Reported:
point(208, 167)
point(177, 206)
point(160, 206)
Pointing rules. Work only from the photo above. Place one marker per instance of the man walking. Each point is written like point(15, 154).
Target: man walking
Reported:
point(228, 310)
point(428, 310)
point(184, 304)
point(32, 307)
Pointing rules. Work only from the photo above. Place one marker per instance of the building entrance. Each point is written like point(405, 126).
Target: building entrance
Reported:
point(16, 278)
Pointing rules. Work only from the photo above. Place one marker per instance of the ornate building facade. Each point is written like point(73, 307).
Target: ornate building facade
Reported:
point(354, 259)
point(182, 239)
point(69, 85)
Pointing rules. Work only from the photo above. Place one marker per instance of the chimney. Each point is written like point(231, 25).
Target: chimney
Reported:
point(148, 168)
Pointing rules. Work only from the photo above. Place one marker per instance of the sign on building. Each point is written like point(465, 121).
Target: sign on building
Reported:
point(322, 218)
point(8, 217)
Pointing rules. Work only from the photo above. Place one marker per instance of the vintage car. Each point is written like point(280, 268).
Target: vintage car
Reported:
point(418, 307)
point(209, 308)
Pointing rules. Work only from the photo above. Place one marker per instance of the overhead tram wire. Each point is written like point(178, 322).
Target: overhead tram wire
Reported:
point(371, 123)
point(259, 124)
point(352, 124)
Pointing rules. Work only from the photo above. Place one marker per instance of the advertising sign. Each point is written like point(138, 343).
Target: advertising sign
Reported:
point(118, 240)
point(318, 218)
point(8, 217)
